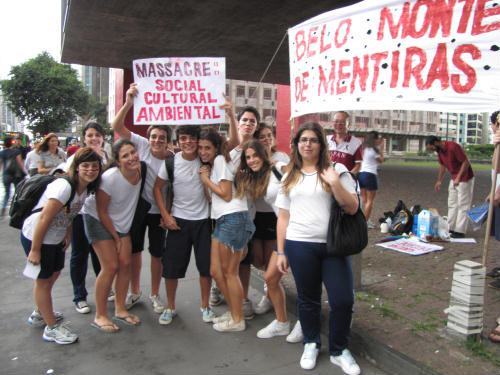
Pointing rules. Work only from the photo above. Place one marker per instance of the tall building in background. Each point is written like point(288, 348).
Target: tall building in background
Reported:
point(8, 121)
point(464, 128)
point(96, 81)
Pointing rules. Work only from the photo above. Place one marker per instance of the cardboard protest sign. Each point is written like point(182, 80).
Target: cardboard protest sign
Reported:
point(179, 90)
point(434, 55)
point(410, 247)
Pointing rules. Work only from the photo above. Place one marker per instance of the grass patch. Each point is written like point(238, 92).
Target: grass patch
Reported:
point(387, 311)
point(420, 326)
point(478, 349)
point(431, 164)
point(377, 304)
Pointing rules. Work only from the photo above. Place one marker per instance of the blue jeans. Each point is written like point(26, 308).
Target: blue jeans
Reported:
point(80, 250)
point(312, 267)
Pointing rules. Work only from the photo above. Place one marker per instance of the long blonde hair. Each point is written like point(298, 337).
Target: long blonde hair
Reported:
point(294, 167)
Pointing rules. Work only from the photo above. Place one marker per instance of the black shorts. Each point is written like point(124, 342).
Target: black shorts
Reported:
point(52, 257)
point(156, 236)
point(265, 225)
point(193, 234)
point(368, 181)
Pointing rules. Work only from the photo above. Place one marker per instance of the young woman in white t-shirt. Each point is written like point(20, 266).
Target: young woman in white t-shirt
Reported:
point(108, 218)
point(233, 228)
point(304, 203)
point(373, 156)
point(259, 181)
point(46, 235)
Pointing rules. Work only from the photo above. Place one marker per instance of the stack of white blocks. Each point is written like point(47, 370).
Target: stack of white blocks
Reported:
point(465, 314)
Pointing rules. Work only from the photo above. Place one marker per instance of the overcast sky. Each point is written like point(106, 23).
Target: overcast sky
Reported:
point(27, 28)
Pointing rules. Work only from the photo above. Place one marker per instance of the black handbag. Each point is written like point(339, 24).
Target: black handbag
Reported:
point(142, 207)
point(347, 234)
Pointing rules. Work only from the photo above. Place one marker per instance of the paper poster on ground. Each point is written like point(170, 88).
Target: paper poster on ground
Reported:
point(410, 247)
point(435, 55)
point(179, 90)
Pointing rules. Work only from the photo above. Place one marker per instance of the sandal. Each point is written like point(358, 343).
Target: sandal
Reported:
point(494, 336)
point(106, 328)
point(130, 319)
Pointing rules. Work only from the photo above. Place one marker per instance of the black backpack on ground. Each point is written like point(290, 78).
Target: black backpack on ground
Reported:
point(27, 195)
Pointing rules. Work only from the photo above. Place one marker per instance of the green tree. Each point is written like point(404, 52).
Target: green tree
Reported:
point(45, 93)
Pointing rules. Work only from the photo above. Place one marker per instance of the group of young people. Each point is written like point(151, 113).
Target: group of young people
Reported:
point(232, 202)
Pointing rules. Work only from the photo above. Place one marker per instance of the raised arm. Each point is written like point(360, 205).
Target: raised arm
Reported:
point(118, 124)
point(234, 139)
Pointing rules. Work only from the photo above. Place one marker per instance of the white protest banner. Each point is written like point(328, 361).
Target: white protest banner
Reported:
point(411, 247)
point(433, 55)
point(179, 90)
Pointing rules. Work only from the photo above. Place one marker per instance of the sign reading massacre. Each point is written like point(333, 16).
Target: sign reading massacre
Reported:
point(179, 90)
point(435, 55)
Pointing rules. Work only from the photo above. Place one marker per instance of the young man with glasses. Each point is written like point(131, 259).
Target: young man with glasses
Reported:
point(152, 150)
point(344, 148)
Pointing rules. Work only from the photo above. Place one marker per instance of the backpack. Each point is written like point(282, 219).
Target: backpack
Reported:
point(13, 169)
point(402, 221)
point(27, 195)
point(169, 196)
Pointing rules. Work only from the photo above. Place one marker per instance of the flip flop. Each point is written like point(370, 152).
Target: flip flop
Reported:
point(106, 328)
point(494, 336)
point(130, 319)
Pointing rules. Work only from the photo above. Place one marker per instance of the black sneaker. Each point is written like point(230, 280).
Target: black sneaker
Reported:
point(457, 235)
point(495, 284)
point(494, 273)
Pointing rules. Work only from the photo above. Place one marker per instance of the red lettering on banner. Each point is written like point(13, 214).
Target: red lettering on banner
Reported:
point(442, 16)
point(301, 87)
point(415, 71)
point(387, 17)
point(361, 72)
point(481, 13)
point(464, 20)
point(347, 22)
point(311, 41)
point(412, 25)
point(343, 75)
point(323, 82)
point(377, 58)
point(206, 113)
point(300, 44)
point(439, 68)
point(322, 46)
point(468, 70)
point(179, 85)
point(395, 69)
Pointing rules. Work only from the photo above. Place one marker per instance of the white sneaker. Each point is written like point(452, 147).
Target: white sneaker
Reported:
point(111, 295)
point(216, 297)
point(132, 299)
point(82, 307)
point(158, 305)
point(226, 316)
point(346, 362)
point(263, 306)
point(36, 319)
point(309, 356)
point(230, 326)
point(296, 335)
point(248, 311)
point(207, 314)
point(273, 329)
point(167, 316)
point(59, 334)
point(370, 224)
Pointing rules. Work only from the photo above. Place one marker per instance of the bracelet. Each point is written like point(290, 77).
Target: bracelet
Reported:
point(278, 253)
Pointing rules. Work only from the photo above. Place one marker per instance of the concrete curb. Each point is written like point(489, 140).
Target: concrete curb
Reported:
point(380, 355)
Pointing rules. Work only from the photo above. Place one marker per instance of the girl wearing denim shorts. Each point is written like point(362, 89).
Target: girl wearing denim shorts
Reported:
point(304, 203)
point(107, 218)
point(46, 234)
point(233, 228)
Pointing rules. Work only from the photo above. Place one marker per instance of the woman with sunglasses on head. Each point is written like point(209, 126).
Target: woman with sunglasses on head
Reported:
point(50, 154)
point(233, 228)
point(107, 218)
point(45, 237)
point(304, 203)
point(93, 137)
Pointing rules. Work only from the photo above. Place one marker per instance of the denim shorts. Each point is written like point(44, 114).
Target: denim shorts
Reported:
point(95, 231)
point(234, 230)
point(368, 181)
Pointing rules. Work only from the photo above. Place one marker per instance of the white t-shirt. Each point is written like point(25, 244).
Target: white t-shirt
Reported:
point(59, 189)
point(124, 197)
point(221, 171)
point(266, 203)
point(309, 206)
point(154, 164)
point(281, 157)
point(190, 202)
point(32, 159)
point(370, 162)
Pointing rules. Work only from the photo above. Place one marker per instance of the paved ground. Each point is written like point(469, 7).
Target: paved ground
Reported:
point(187, 346)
